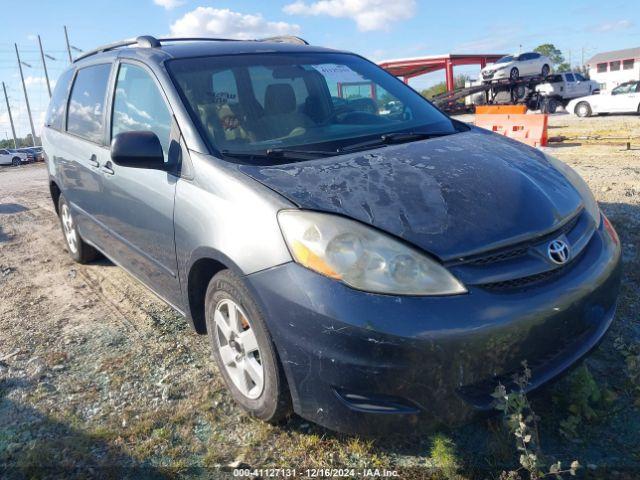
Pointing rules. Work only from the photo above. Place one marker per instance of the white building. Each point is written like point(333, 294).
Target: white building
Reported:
point(610, 69)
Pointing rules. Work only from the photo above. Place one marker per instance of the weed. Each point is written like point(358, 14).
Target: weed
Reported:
point(522, 422)
point(631, 354)
point(583, 399)
point(443, 456)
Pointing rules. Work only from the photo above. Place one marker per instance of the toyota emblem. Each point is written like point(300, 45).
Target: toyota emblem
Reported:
point(558, 252)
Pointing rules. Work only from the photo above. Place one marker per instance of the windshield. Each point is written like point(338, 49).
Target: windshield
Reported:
point(311, 101)
point(506, 59)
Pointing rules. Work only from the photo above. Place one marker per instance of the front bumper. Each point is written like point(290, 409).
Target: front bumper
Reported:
point(495, 75)
point(367, 363)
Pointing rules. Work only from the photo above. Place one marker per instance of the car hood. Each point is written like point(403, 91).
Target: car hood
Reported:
point(452, 196)
point(496, 66)
point(575, 101)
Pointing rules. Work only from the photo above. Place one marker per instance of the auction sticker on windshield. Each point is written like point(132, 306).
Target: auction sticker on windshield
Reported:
point(338, 73)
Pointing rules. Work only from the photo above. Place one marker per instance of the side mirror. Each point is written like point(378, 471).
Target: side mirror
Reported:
point(137, 149)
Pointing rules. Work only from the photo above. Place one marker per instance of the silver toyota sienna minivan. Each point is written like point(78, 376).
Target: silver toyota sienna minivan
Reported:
point(355, 255)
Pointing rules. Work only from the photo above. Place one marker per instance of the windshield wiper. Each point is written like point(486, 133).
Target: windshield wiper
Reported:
point(280, 153)
point(396, 137)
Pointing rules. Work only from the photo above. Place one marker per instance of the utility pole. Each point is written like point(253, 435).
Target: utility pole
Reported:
point(26, 98)
point(44, 64)
point(66, 37)
point(13, 129)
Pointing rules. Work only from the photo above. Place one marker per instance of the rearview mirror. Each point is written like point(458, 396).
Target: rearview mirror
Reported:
point(137, 149)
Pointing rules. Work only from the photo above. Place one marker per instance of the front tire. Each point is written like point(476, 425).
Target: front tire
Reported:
point(549, 105)
point(16, 162)
point(243, 349)
point(514, 74)
point(583, 110)
point(80, 251)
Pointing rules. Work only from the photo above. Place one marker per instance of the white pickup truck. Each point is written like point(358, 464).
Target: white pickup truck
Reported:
point(562, 87)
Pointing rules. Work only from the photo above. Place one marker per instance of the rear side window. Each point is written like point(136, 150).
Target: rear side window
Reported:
point(55, 112)
point(138, 105)
point(570, 77)
point(85, 116)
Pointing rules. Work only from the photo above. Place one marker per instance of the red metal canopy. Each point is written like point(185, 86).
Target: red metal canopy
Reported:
point(412, 67)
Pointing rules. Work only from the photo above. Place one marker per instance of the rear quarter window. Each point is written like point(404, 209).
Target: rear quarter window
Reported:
point(55, 112)
point(85, 113)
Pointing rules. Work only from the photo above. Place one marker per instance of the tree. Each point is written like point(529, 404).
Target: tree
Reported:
point(22, 142)
point(554, 54)
point(441, 87)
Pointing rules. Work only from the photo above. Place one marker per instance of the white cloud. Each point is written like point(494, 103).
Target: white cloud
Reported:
point(169, 4)
point(208, 21)
point(368, 14)
point(30, 80)
point(613, 26)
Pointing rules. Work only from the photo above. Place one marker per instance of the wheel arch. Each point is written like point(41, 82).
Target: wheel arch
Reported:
point(204, 264)
point(55, 191)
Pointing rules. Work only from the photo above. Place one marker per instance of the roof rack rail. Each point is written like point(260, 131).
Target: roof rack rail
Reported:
point(285, 39)
point(148, 41)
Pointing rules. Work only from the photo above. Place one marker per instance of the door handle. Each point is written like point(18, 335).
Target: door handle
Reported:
point(93, 161)
point(106, 168)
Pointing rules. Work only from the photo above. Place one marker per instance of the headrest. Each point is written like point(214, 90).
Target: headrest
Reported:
point(279, 98)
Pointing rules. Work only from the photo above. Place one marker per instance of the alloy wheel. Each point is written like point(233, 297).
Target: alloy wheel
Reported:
point(69, 229)
point(238, 346)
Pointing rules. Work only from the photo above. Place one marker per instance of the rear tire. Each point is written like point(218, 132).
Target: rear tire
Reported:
point(242, 348)
point(583, 110)
point(80, 251)
point(16, 162)
point(514, 74)
point(545, 70)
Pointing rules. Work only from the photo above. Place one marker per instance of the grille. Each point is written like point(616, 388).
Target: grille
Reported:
point(530, 281)
point(522, 282)
point(521, 249)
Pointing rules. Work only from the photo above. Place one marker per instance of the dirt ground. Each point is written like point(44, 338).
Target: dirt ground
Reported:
point(98, 377)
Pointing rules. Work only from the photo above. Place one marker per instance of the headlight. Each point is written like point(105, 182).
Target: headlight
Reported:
point(362, 257)
point(590, 203)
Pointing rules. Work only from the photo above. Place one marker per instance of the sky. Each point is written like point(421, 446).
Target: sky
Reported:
point(377, 29)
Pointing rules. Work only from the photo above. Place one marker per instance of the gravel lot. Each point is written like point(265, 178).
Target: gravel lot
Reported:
point(97, 376)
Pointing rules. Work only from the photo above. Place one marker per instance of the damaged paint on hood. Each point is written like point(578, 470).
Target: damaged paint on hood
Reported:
point(452, 196)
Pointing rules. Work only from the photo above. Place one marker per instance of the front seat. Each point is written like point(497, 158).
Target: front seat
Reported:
point(281, 116)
